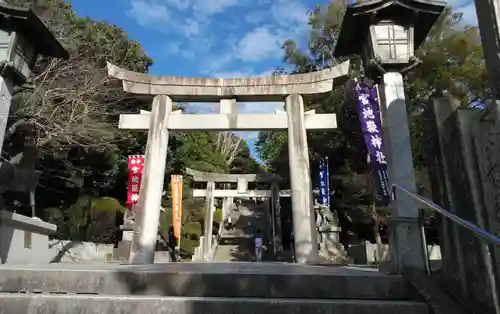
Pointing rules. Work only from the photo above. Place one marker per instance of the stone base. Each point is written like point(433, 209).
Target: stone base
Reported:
point(122, 252)
point(24, 240)
point(330, 248)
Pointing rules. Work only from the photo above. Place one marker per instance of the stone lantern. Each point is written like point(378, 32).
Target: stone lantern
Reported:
point(23, 37)
point(385, 33)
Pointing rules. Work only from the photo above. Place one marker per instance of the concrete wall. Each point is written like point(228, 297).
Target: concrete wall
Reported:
point(15, 247)
point(366, 253)
point(76, 252)
point(24, 240)
point(67, 251)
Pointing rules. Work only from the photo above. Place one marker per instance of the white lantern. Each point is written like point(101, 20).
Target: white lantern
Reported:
point(385, 33)
point(390, 43)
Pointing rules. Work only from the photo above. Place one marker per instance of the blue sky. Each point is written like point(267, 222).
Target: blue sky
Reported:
point(216, 38)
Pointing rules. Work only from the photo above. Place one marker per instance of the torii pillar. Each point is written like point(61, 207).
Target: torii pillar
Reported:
point(208, 222)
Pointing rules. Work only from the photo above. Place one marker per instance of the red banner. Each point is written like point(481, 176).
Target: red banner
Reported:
point(135, 168)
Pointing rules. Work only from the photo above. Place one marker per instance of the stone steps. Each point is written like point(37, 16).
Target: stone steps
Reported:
point(242, 288)
point(209, 280)
point(112, 304)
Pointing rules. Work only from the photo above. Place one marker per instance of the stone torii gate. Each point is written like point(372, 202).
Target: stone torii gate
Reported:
point(167, 89)
point(228, 196)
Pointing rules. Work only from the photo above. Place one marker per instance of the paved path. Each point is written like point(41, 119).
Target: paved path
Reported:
point(237, 244)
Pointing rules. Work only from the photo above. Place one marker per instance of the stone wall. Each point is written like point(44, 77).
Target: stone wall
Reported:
point(24, 240)
point(461, 162)
point(366, 253)
point(76, 252)
point(80, 252)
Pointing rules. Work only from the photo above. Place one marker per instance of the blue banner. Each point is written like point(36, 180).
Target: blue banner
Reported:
point(369, 117)
point(323, 183)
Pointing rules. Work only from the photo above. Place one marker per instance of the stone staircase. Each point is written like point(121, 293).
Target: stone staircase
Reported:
point(196, 288)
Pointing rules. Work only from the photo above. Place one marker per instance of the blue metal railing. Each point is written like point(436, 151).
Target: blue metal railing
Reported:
point(476, 230)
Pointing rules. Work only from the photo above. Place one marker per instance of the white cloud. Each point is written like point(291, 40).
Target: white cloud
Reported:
point(184, 17)
point(194, 22)
point(146, 13)
point(215, 64)
point(458, 3)
point(191, 27)
point(187, 54)
point(296, 13)
point(209, 7)
point(285, 20)
point(469, 13)
point(175, 48)
point(258, 45)
point(162, 18)
point(255, 17)
point(179, 4)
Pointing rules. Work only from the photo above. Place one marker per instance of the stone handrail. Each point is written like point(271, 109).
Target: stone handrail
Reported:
point(27, 223)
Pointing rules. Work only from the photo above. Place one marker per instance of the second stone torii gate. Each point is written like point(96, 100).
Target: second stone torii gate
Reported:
point(210, 193)
point(161, 120)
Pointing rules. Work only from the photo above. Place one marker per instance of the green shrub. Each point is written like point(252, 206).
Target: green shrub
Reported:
point(218, 215)
point(107, 204)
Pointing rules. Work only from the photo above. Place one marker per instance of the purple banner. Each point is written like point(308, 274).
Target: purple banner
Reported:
point(369, 117)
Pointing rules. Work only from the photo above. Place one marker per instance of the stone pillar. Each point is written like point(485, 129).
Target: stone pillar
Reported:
point(5, 100)
point(443, 110)
point(306, 246)
point(209, 218)
point(405, 242)
point(488, 16)
point(227, 206)
point(148, 209)
point(270, 226)
point(224, 208)
point(276, 209)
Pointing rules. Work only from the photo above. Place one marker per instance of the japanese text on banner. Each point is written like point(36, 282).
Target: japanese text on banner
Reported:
point(176, 189)
point(323, 183)
point(135, 169)
point(369, 117)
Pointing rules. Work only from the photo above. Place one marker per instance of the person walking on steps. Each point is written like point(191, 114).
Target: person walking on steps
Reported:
point(172, 244)
point(229, 223)
point(258, 245)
